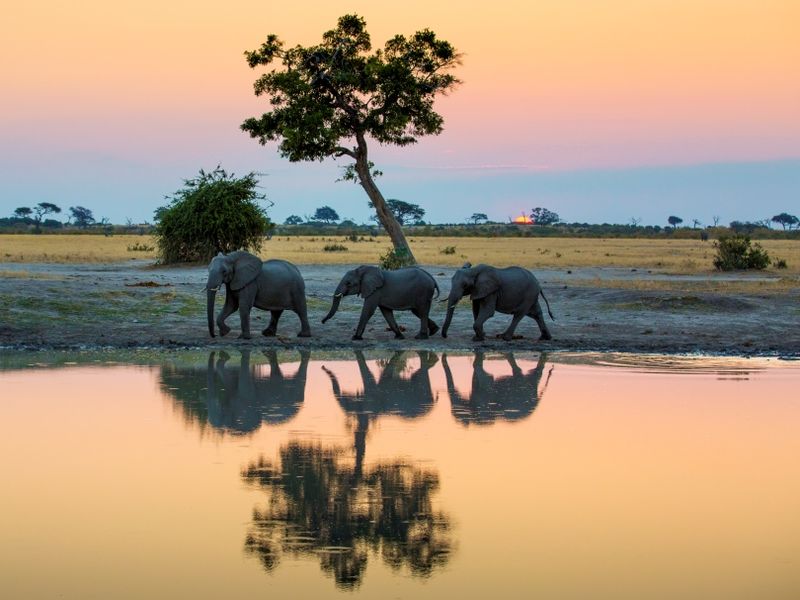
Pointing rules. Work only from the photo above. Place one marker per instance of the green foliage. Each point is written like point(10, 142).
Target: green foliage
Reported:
point(140, 247)
point(214, 212)
point(334, 248)
point(82, 217)
point(543, 216)
point(780, 263)
point(476, 218)
point(326, 214)
point(448, 250)
point(394, 259)
point(293, 220)
point(736, 252)
point(786, 220)
point(674, 221)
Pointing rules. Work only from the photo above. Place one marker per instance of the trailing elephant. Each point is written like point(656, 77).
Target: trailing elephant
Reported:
point(512, 291)
point(273, 285)
point(411, 289)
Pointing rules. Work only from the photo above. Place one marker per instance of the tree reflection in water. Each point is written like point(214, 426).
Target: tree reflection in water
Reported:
point(491, 398)
point(320, 505)
point(237, 398)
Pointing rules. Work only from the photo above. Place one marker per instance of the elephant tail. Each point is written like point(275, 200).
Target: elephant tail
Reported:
point(549, 312)
point(436, 286)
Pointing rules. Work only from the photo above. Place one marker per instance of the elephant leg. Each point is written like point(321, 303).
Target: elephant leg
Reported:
point(231, 305)
point(272, 328)
point(247, 298)
point(508, 334)
point(536, 314)
point(366, 313)
point(432, 327)
point(388, 314)
point(302, 312)
point(424, 328)
point(476, 308)
point(485, 312)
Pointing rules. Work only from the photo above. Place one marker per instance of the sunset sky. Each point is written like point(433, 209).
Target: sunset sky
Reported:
point(602, 111)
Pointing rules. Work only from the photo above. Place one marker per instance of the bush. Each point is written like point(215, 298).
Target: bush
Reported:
point(214, 212)
point(393, 260)
point(137, 247)
point(334, 248)
point(448, 250)
point(736, 252)
point(780, 263)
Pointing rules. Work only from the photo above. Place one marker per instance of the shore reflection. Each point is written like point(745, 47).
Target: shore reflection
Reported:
point(320, 505)
point(511, 397)
point(237, 398)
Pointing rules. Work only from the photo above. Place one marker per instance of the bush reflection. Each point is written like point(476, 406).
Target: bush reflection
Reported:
point(320, 504)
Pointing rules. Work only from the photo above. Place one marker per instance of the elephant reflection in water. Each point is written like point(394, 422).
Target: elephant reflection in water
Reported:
point(491, 398)
point(237, 398)
point(321, 505)
point(390, 394)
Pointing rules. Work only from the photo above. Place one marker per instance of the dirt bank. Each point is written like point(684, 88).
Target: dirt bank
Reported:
point(133, 304)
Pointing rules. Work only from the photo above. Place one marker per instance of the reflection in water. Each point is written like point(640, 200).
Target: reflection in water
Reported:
point(237, 398)
point(319, 505)
point(512, 397)
point(390, 394)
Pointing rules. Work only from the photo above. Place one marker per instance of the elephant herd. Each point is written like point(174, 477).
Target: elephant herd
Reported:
point(277, 285)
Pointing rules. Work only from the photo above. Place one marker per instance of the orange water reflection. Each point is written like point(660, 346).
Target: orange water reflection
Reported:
point(414, 475)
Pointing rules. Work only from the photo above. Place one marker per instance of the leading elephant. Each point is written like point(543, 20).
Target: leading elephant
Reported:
point(273, 285)
point(512, 290)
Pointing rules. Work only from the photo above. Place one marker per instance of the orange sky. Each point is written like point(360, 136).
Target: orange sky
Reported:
point(567, 84)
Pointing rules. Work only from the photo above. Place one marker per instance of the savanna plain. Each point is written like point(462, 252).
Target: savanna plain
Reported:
point(618, 294)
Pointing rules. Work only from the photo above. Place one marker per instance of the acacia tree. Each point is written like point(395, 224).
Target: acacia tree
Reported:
point(477, 218)
point(327, 100)
point(543, 216)
point(674, 221)
point(82, 217)
point(406, 213)
point(326, 214)
point(785, 220)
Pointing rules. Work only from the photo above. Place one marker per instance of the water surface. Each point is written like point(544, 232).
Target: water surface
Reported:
point(403, 475)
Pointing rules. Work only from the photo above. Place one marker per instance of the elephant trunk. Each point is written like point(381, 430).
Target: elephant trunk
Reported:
point(337, 298)
point(212, 294)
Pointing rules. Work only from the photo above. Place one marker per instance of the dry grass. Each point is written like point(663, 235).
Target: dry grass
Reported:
point(671, 256)
point(776, 286)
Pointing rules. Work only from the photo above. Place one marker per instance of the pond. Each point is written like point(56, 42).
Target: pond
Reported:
point(401, 475)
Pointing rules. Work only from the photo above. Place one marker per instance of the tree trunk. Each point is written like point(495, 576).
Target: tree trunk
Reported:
point(385, 216)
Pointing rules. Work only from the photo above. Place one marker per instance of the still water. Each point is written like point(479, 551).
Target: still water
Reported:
point(405, 475)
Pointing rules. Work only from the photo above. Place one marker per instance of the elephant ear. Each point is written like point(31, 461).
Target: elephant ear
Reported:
point(371, 280)
point(486, 282)
point(246, 268)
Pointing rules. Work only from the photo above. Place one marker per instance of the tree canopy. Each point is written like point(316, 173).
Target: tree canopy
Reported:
point(674, 221)
point(326, 100)
point(543, 216)
point(293, 220)
point(786, 220)
point(326, 214)
point(406, 213)
point(477, 218)
point(82, 217)
point(214, 212)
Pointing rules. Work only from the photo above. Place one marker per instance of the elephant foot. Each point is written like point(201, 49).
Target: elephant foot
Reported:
point(432, 328)
point(545, 336)
point(421, 336)
point(245, 336)
point(399, 336)
point(510, 336)
point(356, 338)
point(304, 334)
point(224, 329)
point(268, 333)
point(478, 338)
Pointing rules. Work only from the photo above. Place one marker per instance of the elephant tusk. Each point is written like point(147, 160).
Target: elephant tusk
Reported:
point(208, 289)
point(338, 295)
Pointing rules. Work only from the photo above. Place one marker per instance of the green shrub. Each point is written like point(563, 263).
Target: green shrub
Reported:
point(780, 263)
point(736, 252)
point(334, 248)
point(393, 260)
point(214, 212)
point(448, 250)
point(140, 247)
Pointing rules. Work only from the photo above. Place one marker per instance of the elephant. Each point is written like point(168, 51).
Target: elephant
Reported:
point(404, 289)
point(273, 285)
point(491, 398)
point(237, 398)
point(512, 290)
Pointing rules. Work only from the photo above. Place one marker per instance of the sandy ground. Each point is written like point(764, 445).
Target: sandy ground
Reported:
point(132, 304)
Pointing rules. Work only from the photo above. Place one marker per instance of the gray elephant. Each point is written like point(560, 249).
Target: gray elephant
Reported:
point(512, 291)
point(273, 285)
point(404, 289)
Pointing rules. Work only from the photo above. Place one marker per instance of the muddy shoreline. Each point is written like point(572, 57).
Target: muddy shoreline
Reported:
point(135, 305)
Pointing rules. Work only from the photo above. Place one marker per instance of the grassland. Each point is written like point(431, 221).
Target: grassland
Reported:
point(668, 256)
